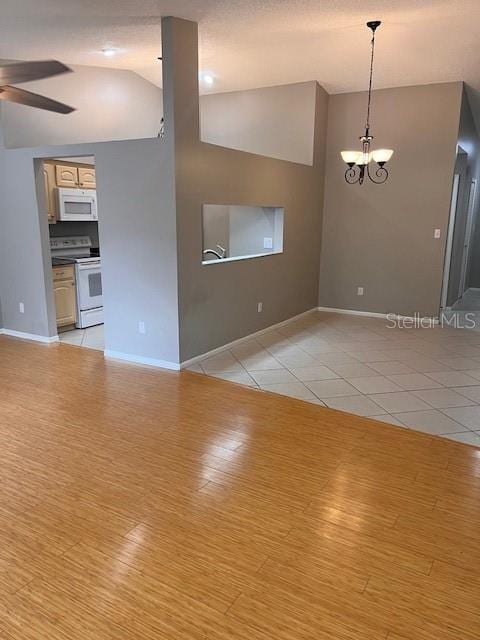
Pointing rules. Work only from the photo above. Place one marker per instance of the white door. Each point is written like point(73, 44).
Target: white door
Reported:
point(468, 237)
point(449, 245)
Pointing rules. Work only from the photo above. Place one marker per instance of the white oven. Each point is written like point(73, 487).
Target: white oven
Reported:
point(89, 292)
point(76, 205)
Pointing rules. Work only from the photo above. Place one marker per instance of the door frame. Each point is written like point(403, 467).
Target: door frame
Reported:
point(468, 236)
point(449, 243)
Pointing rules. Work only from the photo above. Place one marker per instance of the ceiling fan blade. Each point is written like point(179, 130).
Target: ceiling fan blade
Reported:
point(13, 94)
point(18, 72)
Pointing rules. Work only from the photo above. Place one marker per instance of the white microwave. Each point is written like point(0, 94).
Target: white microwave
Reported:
point(77, 204)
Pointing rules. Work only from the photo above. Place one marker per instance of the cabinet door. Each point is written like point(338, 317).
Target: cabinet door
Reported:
point(66, 176)
point(65, 302)
point(87, 178)
point(50, 199)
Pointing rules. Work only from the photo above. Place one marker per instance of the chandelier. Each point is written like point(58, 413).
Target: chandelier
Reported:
point(359, 162)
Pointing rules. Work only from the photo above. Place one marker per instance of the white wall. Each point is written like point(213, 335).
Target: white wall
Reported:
point(112, 104)
point(273, 121)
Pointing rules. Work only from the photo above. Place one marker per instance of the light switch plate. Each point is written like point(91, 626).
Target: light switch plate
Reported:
point(437, 233)
point(260, 307)
point(360, 291)
point(21, 307)
point(141, 327)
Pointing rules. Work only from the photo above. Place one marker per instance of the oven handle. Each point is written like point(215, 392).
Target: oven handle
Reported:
point(89, 265)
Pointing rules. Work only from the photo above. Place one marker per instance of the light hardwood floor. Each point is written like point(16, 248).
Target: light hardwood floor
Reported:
point(139, 504)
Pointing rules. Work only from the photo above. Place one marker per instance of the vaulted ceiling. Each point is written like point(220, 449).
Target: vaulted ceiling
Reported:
point(252, 43)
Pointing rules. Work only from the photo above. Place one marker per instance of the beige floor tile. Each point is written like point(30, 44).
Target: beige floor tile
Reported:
point(261, 362)
point(334, 358)
point(221, 362)
point(391, 368)
point(399, 402)
point(272, 376)
point(240, 377)
point(319, 372)
point(374, 384)
point(431, 421)
point(301, 359)
point(332, 388)
point(460, 363)
point(472, 393)
point(474, 373)
point(359, 405)
point(386, 417)
point(426, 365)
point(466, 437)
point(453, 378)
point(414, 381)
point(292, 389)
point(468, 416)
point(443, 398)
point(371, 355)
point(353, 370)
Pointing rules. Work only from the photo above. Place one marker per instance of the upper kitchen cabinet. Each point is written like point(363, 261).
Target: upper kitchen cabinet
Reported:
point(87, 178)
point(50, 200)
point(67, 176)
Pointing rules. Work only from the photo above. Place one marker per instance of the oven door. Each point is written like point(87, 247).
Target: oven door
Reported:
point(77, 206)
point(89, 285)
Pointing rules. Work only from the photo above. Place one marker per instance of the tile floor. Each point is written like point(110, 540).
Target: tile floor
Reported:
point(92, 337)
point(423, 379)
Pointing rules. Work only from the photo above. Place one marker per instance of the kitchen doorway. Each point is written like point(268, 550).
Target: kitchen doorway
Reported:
point(72, 212)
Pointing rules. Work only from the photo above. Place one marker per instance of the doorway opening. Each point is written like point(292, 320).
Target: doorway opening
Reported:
point(74, 241)
point(459, 292)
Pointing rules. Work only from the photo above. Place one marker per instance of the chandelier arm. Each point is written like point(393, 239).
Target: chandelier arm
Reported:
point(352, 176)
point(379, 176)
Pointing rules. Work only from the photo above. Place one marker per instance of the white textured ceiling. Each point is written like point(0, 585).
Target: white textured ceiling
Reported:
point(253, 43)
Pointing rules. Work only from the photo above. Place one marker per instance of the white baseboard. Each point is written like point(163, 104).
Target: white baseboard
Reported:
point(29, 336)
point(152, 362)
point(374, 314)
point(251, 336)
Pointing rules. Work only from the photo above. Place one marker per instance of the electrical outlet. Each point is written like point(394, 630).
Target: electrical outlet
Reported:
point(21, 306)
point(260, 307)
point(268, 243)
point(360, 291)
point(141, 327)
point(437, 234)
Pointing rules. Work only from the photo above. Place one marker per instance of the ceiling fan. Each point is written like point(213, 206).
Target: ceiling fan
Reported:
point(18, 72)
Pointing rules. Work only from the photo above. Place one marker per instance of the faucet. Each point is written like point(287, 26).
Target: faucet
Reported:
point(220, 256)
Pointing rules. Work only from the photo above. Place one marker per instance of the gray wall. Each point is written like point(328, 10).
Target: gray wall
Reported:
point(381, 236)
point(273, 121)
point(218, 303)
point(112, 104)
point(135, 186)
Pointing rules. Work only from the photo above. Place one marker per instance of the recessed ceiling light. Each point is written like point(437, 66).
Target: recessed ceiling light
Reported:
point(109, 52)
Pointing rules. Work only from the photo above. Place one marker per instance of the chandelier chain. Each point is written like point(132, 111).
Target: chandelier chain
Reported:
point(367, 124)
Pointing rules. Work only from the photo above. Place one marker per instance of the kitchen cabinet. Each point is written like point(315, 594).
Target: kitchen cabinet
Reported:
point(50, 195)
point(87, 178)
point(66, 176)
point(65, 292)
